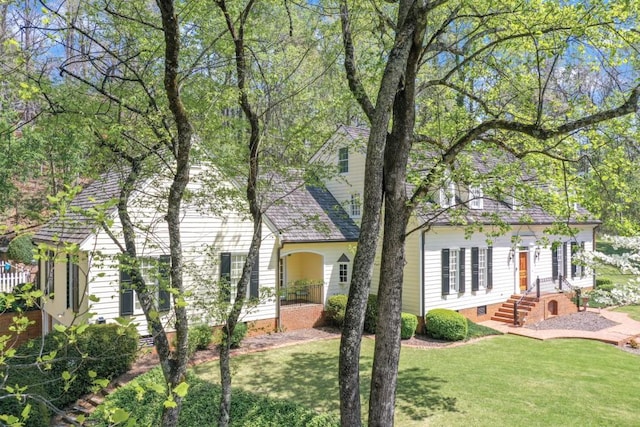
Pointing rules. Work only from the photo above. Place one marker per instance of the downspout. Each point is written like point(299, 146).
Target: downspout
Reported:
point(278, 290)
point(593, 249)
point(422, 278)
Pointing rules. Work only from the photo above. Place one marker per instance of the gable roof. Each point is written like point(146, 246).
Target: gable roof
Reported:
point(299, 212)
point(310, 213)
point(76, 227)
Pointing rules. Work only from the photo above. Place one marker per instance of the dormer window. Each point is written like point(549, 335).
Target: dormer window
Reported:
point(475, 197)
point(354, 205)
point(343, 160)
point(448, 195)
point(515, 203)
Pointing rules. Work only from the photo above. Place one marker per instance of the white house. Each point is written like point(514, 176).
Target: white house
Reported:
point(309, 240)
point(447, 268)
point(306, 238)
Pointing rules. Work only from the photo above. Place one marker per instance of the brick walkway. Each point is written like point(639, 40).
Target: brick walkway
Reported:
point(620, 334)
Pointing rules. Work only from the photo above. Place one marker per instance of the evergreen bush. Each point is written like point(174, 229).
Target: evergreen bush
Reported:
point(371, 314)
point(200, 336)
point(446, 324)
point(20, 249)
point(239, 333)
point(408, 326)
point(336, 307)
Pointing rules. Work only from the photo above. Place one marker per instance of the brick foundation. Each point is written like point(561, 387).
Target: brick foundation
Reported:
point(472, 313)
point(302, 316)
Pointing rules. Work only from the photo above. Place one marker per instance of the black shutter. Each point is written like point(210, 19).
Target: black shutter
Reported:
point(225, 276)
point(564, 260)
point(126, 294)
point(69, 282)
point(554, 263)
point(461, 269)
point(445, 272)
point(255, 278)
point(574, 266)
point(582, 267)
point(164, 271)
point(490, 267)
point(75, 298)
point(475, 283)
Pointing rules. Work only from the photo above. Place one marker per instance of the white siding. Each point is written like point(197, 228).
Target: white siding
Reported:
point(343, 185)
point(227, 231)
point(505, 270)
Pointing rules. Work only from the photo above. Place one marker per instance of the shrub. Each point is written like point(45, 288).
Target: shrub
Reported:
point(200, 406)
point(20, 249)
point(200, 336)
point(371, 314)
point(408, 326)
point(336, 307)
point(239, 333)
point(604, 285)
point(106, 350)
point(446, 324)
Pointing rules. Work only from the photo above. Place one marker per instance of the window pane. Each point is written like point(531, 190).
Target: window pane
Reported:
point(453, 269)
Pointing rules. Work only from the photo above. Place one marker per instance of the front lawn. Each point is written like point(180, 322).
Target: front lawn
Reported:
point(506, 380)
point(609, 271)
point(632, 310)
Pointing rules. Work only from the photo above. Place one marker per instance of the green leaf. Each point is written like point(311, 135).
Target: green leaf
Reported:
point(120, 416)
point(181, 389)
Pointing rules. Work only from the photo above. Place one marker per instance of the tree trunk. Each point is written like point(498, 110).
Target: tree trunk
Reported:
point(181, 148)
point(409, 16)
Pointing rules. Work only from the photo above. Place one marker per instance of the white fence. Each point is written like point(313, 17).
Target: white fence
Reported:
point(9, 280)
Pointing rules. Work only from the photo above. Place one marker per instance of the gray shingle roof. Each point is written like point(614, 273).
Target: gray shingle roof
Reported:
point(76, 227)
point(301, 213)
point(307, 213)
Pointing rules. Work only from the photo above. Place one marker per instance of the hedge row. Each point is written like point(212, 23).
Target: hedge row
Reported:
point(143, 400)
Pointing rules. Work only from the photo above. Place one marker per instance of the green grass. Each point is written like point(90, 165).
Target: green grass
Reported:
point(608, 271)
point(505, 380)
point(478, 331)
point(632, 310)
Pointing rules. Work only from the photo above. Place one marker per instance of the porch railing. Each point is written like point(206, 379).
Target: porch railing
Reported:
point(546, 285)
point(302, 294)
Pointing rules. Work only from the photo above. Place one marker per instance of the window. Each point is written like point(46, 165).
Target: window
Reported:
point(73, 285)
point(343, 160)
point(577, 269)
point(475, 197)
point(237, 264)
point(448, 195)
point(155, 273)
point(453, 271)
point(481, 268)
point(344, 272)
point(49, 272)
point(355, 205)
point(231, 266)
point(557, 261)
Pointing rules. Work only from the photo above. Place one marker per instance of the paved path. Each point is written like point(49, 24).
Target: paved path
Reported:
point(618, 334)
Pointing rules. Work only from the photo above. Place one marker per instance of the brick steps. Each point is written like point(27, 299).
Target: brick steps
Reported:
point(505, 312)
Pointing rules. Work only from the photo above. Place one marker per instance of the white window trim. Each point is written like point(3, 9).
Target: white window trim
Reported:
point(346, 267)
point(454, 270)
point(483, 267)
point(344, 161)
point(146, 264)
point(476, 194)
point(355, 210)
